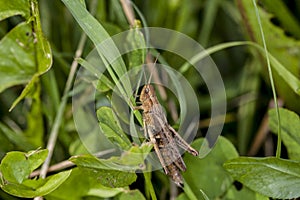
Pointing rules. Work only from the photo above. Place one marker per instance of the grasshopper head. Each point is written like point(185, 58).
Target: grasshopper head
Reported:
point(147, 93)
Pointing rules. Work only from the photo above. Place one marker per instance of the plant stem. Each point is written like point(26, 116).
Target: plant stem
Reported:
point(278, 149)
point(59, 115)
point(148, 184)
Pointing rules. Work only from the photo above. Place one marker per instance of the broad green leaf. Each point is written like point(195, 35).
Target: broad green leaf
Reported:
point(131, 194)
point(110, 174)
point(272, 177)
point(114, 178)
point(36, 158)
point(42, 53)
point(136, 155)
point(17, 166)
point(12, 8)
point(290, 126)
point(33, 188)
point(244, 193)
point(89, 161)
point(110, 126)
point(116, 171)
point(208, 174)
point(16, 57)
point(130, 160)
point(86, 182)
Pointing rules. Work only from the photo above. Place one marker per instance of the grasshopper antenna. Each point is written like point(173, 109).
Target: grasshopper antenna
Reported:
point(145, 77)
point(151, 70)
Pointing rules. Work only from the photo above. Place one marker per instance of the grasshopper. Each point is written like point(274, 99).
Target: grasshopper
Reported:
point(164, 138)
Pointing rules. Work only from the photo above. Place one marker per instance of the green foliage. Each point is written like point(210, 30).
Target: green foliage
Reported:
point(110, 126)
point(286, 50)
point(273, 177)
point(28, 57)
point(216, 185)
point(132, 194)
point(89, 185)
point(130, 160)
point(17, 166)
point(15, 169)
point(13, 8)
point(290, 130)
point(17, 66)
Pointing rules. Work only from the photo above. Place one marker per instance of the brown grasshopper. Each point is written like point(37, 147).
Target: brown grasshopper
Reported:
point(164, 138)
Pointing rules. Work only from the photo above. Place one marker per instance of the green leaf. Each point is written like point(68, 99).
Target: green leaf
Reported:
point(36, 158)
point(110, 126)
point(136, 155)
point(12, 8)
point(16, 59)
point(17, 166)
point(285, 17)
point(33, 188)
point(131, 194)
point(244, 193)
point(114, 178)
point(284, 48)
point(87, 184)
point(110, 173)
point(42, 53)
point(89, 161)
point(290, 126)
point(208, 174)
point(272, 177)
point(116, 171)
point(130, 160)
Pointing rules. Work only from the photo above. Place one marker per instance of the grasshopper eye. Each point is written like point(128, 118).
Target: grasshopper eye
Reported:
point(147, 90)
